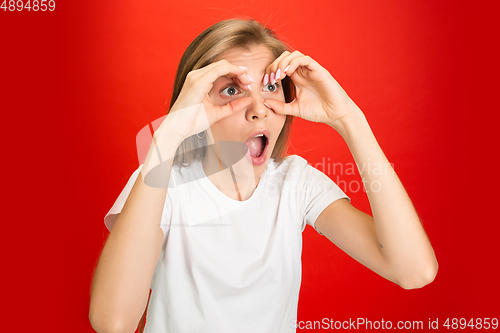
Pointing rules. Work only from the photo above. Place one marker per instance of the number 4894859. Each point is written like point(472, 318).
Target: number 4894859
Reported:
point(30, 5)
point(477, 323)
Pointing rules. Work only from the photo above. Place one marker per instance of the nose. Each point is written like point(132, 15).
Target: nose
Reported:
point(256, 110)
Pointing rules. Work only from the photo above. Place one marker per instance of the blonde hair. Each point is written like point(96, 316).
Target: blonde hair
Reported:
point(203, 50)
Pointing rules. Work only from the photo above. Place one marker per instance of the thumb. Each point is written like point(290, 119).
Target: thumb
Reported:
point(239, 104)
point(280, 107)
point(231, 108)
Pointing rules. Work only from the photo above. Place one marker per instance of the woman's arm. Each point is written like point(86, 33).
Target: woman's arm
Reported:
point(392, 242)
point(123, 275)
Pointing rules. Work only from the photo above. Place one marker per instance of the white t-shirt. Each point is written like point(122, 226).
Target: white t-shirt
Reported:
point(228, 265)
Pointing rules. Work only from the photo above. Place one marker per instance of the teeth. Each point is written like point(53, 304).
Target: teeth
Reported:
point(258, 135)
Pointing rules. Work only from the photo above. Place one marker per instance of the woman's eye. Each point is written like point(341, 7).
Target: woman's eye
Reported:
point(229, 91)
point(272, 87)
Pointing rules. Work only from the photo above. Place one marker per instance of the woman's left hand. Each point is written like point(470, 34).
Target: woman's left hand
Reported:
point(319, 97)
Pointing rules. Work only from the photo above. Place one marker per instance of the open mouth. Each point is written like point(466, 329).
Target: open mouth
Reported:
point(257, 145)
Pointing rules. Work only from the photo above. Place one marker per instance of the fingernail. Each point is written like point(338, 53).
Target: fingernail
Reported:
point(249, 87)
point(266, 79)
point(250, 78)
point(267, 106)
point(278, 74)
point(243, 67)
point(273, 81)
point(287, 67)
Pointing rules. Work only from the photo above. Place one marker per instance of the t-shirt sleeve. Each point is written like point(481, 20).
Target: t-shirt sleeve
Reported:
point(112, 215)
point(316, 191)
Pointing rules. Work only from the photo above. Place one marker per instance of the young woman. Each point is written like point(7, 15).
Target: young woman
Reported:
point(212, 221)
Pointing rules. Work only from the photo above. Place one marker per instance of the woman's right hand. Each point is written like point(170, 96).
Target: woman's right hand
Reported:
point(193, 111)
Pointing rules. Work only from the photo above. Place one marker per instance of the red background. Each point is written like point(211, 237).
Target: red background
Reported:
point(80, 82)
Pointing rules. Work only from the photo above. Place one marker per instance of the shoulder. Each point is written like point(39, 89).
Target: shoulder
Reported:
point(290, 163)
point(295, 166)
point(293, 170)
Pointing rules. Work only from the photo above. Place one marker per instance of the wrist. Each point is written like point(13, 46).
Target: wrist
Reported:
point(160, 157)
point(166, 141)
point(353, 123)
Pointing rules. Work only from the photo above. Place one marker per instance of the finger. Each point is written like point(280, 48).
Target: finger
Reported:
point(242, 85)
point(274, 66)
point(239, 70)
point(245, 79)
point(285, 62)
point(224, 68)
point(300, 60)
point(281, 65)
point(232, 107)
point(282, 108)
point(200, 82)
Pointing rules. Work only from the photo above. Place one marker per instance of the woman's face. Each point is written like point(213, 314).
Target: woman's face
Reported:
point(255, 119)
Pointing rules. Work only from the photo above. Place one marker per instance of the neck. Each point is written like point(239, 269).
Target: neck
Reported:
point(238, 181)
